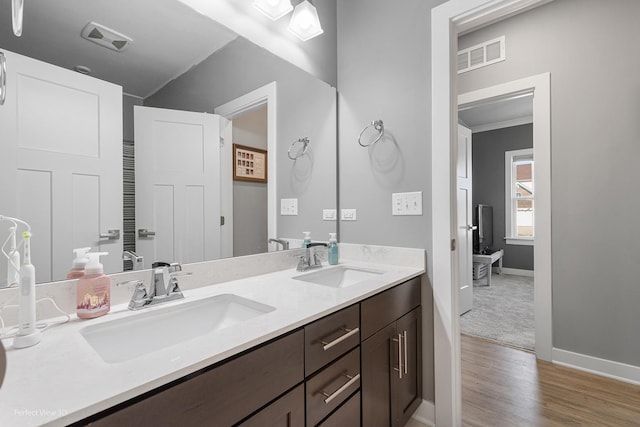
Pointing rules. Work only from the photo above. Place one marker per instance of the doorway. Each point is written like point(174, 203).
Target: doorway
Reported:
point(502, 306)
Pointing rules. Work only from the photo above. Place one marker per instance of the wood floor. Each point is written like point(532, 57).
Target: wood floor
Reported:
point(502, 386)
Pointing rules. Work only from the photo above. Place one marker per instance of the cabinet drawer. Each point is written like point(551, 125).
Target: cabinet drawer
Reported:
point(331, 386)
point(380, 310)
point(223, 395)
point(346, 415)
point(330, 337)
point(288, 411)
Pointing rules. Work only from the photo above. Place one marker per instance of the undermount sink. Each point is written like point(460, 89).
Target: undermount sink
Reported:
point(338, 277)
point(130, 337)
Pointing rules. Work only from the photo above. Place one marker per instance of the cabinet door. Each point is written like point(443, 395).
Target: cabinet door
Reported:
point(407, 390)
point(288, 411)
point(379, 356)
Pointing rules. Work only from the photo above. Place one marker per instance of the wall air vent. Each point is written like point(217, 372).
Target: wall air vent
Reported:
point(106, 37)
point(481, 55)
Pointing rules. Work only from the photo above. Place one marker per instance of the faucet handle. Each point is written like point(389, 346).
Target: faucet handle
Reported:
point(140, 291)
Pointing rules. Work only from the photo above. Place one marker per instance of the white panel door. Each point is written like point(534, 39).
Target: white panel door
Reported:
point(177, 185)
point(465, 219)
point(61, 163)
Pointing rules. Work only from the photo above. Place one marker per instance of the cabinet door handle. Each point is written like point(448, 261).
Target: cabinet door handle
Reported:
point(111, 235)
point(143, 232)
point(349, 333)
point(399, 368)
point(351, 380)
point(406, 363)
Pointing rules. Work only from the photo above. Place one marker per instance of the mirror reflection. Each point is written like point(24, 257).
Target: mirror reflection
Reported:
point(77, 165)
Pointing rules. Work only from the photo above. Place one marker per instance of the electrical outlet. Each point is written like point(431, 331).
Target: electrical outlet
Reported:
point(348, 215)
point(406, 203)
point(288, 206)
point(329, 214)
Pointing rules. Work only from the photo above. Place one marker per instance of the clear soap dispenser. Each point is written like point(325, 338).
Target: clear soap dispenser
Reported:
point(333, 252)
point(307, 239)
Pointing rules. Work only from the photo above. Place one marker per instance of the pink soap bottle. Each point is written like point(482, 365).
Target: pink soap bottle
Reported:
point(79, 263)
point(93, 292)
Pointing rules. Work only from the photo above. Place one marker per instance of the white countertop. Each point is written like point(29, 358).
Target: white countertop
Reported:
point(62, 379)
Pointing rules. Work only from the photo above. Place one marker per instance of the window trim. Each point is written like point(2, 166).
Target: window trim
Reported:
point(509, 157)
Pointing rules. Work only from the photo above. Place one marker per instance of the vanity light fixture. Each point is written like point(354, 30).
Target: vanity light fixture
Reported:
point(305, 23)
point(17, 7)
point(273, 9)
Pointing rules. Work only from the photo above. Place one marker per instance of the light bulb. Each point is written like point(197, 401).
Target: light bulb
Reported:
point(305, 23)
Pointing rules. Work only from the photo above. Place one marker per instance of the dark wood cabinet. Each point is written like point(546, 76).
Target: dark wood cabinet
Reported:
point(223, 395)
point(392, 358)
point(288, 411)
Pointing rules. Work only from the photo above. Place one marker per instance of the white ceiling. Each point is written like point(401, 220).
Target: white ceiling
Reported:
point(168, 38)
point(498, 113)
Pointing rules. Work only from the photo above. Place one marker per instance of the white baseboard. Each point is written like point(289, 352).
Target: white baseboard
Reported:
point(426, 413)
point(517, 272)
point(606, 368)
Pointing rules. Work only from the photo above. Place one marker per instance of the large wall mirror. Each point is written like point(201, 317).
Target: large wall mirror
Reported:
point(177, 61)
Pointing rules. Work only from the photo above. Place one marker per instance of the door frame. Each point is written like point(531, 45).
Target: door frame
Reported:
point(539, 86)
point(448, 20)
point(243, 104)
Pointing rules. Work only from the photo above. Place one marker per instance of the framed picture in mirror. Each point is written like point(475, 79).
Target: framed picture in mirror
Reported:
point(249, 163)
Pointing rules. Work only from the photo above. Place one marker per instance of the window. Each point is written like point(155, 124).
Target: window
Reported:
point(519, 197)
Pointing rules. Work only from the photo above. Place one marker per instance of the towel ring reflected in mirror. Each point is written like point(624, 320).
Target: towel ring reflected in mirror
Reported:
point(377, 125)
point(296, 154)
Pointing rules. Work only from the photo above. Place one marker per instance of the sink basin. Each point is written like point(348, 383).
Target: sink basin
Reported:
point(127, 338)
point(338, 277)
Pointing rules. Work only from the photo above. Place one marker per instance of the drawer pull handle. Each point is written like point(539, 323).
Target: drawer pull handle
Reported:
point(399, 368)
point(349, 333)
point(352, 380)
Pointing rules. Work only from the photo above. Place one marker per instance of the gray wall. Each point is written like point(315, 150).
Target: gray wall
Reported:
point(384, 73)
point(590, 47)
point(306, 106)
point(488, 184)
point(250, 231)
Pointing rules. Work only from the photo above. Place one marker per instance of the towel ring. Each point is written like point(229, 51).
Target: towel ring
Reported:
point(305, 142)
point(377, 125)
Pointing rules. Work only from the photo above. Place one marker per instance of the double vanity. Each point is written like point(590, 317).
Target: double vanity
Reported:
point(243, 346)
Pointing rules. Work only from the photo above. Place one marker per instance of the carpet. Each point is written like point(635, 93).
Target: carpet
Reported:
point(502, 312)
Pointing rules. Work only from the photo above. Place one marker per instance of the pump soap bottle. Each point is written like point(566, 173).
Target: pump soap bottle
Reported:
point(79, 263)
point(333, 249)
point(307, 239)
point(93, 293)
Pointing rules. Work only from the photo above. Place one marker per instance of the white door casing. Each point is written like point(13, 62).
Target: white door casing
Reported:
point(61, 163)
point(465, 220)
point(177, 185)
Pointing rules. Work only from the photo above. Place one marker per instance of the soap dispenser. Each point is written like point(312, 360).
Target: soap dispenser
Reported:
point(333, 254)
point(93, 292)
point(79, 263)
point(307, 239)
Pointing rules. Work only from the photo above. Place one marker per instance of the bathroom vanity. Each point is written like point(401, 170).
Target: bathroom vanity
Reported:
point(314, 348)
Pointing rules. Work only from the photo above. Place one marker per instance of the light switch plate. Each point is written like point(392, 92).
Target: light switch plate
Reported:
point(406, 203)
point(329, 214)
point(288, 206)
point(348, 215)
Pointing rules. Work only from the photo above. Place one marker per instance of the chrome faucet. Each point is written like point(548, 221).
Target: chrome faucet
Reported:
point(135, 259)
point(310, 258)
point(284, 243)
point(164, 286)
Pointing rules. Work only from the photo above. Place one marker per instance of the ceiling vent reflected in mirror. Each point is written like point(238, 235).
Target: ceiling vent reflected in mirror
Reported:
point(106, 37)
point(481, 55)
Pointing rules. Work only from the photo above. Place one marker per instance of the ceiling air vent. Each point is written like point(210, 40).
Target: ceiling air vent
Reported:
point(481, 55)
point(106, 37)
